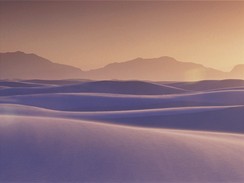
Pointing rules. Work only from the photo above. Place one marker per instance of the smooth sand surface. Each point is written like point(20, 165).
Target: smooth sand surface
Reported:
point(207, 118)
point(49, 149)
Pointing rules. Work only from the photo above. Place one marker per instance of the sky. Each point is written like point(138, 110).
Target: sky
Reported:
point(90, 35)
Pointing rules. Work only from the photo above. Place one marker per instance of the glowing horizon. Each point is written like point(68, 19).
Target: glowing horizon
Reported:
point(90, 35)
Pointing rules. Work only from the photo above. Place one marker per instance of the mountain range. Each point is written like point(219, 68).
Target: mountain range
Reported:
point(20, 65)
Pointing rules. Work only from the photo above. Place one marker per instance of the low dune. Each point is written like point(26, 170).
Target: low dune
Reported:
point(113, 102)
point(210, 118)
point(114, 87)
point(56, 82)
point(49, 149)
point(209, 84)
point(21, 84)
point(130, 87)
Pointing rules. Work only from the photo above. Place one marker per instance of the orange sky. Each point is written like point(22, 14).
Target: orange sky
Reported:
point(92, 34)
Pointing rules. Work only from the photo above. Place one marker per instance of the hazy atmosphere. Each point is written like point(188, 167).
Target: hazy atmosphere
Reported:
point(90, 35)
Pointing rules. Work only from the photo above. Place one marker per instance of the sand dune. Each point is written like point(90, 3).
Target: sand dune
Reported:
point(208, 118)
point(21, 84)
point(105, 102)
point(102, 132)
point(130, 87)
point(56, 82)
point(115, 87)
point(46, 149)
point(209, 84)
point(220, 110)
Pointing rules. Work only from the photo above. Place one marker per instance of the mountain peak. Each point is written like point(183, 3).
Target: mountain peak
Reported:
point(163, 58)
point(237, 71)
point(167, 58)
point(240, 66)
point(17, 53)
point(20, 65)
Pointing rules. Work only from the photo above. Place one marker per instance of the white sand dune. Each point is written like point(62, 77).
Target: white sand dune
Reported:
point(21, 84)
point(49, 149)
point(122, 87)
point(4, 87)
point(107, 102)
point(207, 118)
point(209, 84)
point(113, 131)
point(115, 87)
point(56, 82)
point(29, 110)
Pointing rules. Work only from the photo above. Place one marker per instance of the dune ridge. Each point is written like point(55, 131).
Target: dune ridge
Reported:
point(206, 118)
point(113, 102)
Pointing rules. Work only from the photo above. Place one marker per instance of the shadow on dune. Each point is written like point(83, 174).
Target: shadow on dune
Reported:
point(208, 84)
point(113, 102)
point(115, 87)
point(225, 120)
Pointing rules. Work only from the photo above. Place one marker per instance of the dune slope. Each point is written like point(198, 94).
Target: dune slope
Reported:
point(210, 118)
point(115, 87)
point(113, 102)
point(68, 150)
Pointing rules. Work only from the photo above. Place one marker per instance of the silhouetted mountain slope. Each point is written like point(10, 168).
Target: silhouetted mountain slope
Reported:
point(159, 69)
point(237, 71)
point(19, 65)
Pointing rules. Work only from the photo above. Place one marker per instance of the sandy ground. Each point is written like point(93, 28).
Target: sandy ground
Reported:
point(113, 136)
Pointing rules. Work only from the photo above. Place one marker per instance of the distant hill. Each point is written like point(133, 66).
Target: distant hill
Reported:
point(237, 71)
point(156, 69)
point(19, 65)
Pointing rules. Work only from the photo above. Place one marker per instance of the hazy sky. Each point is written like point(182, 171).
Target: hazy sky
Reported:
point(93, 34)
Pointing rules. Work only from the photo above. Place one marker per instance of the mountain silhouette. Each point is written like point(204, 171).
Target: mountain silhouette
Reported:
point(156, 69)
point(237, 71)
point(19, 65)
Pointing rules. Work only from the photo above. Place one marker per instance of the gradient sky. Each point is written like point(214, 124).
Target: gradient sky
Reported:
point(92, 34)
